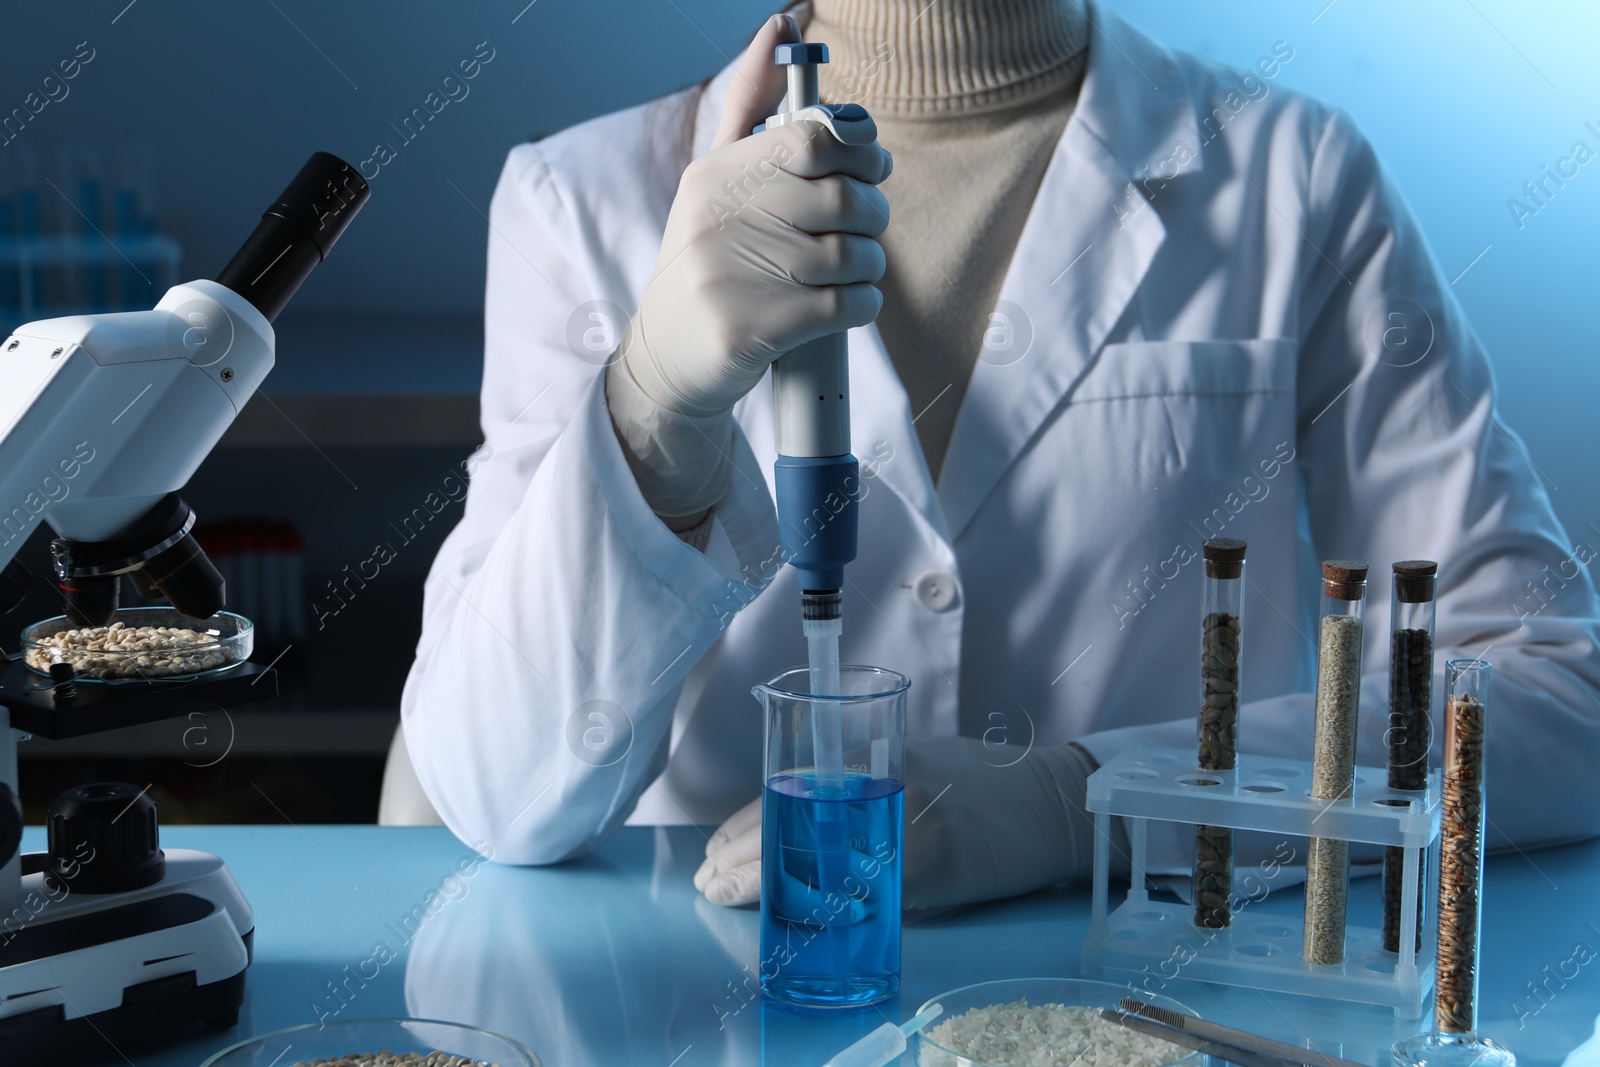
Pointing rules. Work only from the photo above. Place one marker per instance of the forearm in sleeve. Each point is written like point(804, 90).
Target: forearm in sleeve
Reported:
point(541, 701)
point(681, 463)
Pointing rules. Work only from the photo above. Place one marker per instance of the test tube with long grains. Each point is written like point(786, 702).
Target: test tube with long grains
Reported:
point(1461, 847)
point(1454, 1040)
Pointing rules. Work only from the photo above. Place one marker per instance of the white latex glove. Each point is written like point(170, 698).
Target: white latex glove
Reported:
point(1000, 828)
point(731, 873)
point(770, 242)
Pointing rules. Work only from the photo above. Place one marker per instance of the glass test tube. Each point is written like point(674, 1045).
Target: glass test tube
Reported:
point(1410, 732)
point(1219, 720)
point(1454, 1041)
point(1333, 766)
point(1461, 847)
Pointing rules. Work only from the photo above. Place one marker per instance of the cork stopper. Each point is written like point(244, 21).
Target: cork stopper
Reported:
point(1224, 557)
point(1344, 579)
point(1415, 580)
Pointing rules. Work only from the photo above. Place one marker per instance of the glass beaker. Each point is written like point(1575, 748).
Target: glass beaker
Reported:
point(831, 838)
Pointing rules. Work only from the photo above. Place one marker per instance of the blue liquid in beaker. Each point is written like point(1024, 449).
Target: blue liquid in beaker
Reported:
point(830, 890)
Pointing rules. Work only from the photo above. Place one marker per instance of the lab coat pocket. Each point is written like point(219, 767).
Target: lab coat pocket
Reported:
point(1203, 414)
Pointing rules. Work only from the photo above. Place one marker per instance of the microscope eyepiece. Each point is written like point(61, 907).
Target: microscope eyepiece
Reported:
point(155, 549)
point(296, 233)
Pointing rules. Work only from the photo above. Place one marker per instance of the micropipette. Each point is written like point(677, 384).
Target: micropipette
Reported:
point(818, 486)
point(886, 1042)
point(816, 477)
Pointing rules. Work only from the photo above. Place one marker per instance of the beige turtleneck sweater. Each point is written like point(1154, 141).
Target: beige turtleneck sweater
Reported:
point(971, 96)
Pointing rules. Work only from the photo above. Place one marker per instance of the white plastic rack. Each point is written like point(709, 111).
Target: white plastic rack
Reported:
point(1273, 795)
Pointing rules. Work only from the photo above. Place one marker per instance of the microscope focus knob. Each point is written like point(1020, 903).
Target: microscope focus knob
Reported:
point(103, 839)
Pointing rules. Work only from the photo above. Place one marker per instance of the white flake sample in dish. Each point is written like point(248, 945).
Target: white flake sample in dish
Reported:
point(1042, 1035)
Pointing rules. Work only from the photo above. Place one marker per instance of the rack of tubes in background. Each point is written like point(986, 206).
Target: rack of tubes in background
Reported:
point(78, 234)
point(263, 563)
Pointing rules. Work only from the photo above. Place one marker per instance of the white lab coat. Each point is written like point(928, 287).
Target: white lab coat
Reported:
point(1195, 319)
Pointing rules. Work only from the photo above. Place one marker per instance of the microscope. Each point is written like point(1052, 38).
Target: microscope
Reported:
point(106, 937)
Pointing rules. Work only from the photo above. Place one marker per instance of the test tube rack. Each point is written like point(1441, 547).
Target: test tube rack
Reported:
point(1269, 794)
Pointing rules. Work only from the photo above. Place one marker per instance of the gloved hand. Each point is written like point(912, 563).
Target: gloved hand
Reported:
point(731, 873)
point(770, 243)
point(978, 827)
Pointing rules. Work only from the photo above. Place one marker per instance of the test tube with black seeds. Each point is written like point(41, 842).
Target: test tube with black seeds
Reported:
point(1219, 720)
point(1410, 730)
point(1333, 761)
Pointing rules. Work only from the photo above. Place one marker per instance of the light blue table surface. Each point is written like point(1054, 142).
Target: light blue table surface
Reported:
point(616, 960)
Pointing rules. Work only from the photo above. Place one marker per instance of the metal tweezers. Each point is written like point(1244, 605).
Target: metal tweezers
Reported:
point(1236, 1046)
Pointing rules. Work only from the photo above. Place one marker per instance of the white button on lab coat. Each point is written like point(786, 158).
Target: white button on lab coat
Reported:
point(936, 591)
point(1211, 277)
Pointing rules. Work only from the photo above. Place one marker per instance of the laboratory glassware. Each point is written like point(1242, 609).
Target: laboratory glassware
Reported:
point(1154, 941)
point(1220, 640)
point(831, 844)
point(1344, 589)
point(1454, 1040)
point(1409, 732)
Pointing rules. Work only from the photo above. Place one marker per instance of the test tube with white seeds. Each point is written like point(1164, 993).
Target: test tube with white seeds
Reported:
point(1219, 720)
point(1333, 764)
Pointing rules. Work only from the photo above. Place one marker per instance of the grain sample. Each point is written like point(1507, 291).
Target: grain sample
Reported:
point(1460, 866)
point(394, 1059)
point(1041, 1035)
point(1219, 720)
point(123, 651)
point(1410, 693)
point(1333, 764)
point(1411, 618)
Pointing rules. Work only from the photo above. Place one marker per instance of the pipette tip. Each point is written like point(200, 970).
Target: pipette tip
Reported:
point(885, 1043)
point(921, 1019)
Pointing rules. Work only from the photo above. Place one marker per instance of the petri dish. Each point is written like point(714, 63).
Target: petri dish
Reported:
point(344, 1037)
point(231, 640)
point(1067, 992)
